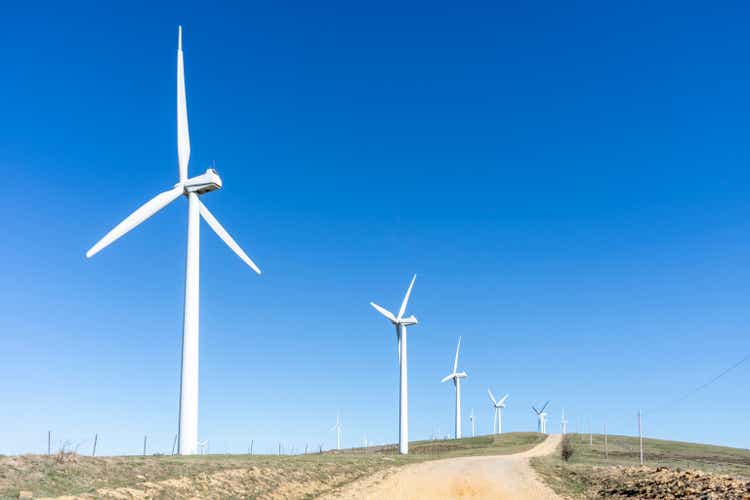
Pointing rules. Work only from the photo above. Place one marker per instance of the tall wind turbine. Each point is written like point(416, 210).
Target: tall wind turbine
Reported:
point(497, 422)
point(563, 423)
point(541, 418)
point(401, 323)
point(191, 188)
point(456, 377)
point(337, 427)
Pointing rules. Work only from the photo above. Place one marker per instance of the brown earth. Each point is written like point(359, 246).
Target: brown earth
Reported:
point(667, 484)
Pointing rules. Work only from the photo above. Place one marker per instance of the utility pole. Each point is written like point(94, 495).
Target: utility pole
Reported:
point(49, 442)
point(640, 433)
point(144, 446)
point(606, 450)
point(93, 452)
point(591, 436)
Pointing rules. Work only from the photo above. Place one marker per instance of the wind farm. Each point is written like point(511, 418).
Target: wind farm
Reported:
point(571, 197)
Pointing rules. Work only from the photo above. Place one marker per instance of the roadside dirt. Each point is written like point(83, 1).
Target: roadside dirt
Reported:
point(498, 477)
point(667, 484)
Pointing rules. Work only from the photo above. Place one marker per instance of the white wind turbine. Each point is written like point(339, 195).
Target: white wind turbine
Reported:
point(456, 377)
point(401, 323)
point(203, 447)
point(337, 428)
point(497, 423)
point(191, 188)
point(541, 418)
point(471, 420)
point(563, 423)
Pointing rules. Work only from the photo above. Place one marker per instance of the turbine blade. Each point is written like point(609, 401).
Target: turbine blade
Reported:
point(219, 229)
point(503, 399)
point(143, 212)
point(492, 396)
point(183, 134)
point(535, 410)
point(406, 298)
point(545, 406)
point(385, 312)
point(455, 362)
point(398, 337)
point(448, 378)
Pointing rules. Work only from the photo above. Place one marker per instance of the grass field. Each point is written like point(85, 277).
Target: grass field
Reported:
point(580, 476)
point(255, 476)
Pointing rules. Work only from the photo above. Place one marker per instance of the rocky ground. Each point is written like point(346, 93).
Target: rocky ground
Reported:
point(664, 483)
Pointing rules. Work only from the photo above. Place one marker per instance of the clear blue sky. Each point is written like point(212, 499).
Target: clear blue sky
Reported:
point(570, 183)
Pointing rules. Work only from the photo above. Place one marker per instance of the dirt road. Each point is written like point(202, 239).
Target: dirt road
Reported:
point(505, 477)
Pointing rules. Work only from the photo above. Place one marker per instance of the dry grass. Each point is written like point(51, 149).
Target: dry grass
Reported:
point(221, 476)
point(582, 477)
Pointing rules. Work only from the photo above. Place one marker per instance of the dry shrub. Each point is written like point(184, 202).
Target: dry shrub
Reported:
point(567, 449)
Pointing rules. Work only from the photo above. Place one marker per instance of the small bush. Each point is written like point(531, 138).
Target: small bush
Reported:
point(567, 449)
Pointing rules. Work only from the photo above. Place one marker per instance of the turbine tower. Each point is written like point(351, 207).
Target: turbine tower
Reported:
point(401, 323)
point(191, 188)
point(563, 423)
point(456, 377)
point(337, 427)
point(541, 418)
point(497, 422)
point(471, 420)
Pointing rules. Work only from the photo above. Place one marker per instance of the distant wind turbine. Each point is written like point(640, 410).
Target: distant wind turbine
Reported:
point(203, 446)
point(191, 188)
point(497, 422)
point(541, 418)
point(337, 427)
point(456, 377)
point(563, 423)
point(471, 420)
point(401, 323)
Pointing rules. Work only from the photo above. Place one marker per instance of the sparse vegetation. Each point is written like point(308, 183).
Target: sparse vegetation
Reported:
point(255, 476)
point(588, 474)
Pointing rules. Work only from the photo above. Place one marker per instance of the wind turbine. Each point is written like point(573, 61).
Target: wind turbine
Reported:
point(203, 446)
point(497, 422)
point(471, 420)
point(541, 418)
point(563, 423)
point(337, 427)
point(191, 188)
point(456, 377)
point(401, 323)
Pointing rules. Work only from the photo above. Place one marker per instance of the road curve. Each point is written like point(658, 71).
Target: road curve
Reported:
point(498, 477)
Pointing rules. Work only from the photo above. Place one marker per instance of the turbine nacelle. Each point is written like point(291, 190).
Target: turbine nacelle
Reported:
point(454, 376)
point(411, 320)
point(204, 183)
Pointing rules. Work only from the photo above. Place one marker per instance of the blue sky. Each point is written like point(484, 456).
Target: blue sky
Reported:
point(570, 182)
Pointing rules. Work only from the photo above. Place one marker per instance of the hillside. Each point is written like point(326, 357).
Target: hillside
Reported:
point(669, 466)
point(257, 476)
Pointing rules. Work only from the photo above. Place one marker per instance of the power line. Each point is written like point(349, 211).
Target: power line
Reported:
point(705, 384)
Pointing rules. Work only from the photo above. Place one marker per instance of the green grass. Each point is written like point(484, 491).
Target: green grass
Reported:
point(577, 477)
point(263, 474)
